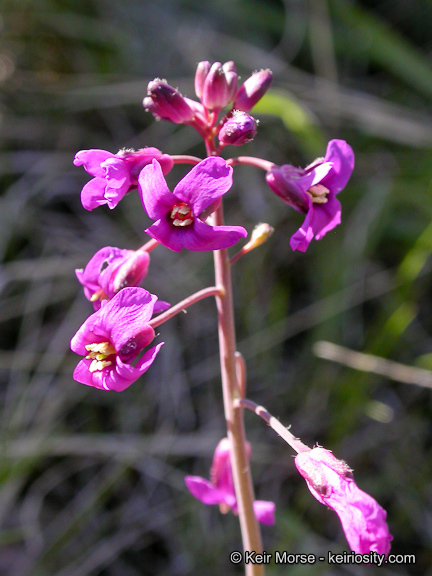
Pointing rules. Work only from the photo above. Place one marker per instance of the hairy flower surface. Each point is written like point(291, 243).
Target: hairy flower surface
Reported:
point(220, 488)
point(330, 481)
point(178, 224)
point(313, 191)
point(113, 337)
point(115, 174)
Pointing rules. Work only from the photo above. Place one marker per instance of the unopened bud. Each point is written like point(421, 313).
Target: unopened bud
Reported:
point(260, 234)
point(252, 90)
point(238, 130)
point(202, 70)
point(166, 102)
point(219, 86)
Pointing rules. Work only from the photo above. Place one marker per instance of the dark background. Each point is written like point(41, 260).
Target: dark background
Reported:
point(91, 483)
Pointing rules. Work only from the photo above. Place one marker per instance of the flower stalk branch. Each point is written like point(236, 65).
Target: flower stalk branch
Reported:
point(193, 299)
point(273, 422)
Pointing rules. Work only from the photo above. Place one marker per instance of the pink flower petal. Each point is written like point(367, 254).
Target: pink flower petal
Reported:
point(205, 183)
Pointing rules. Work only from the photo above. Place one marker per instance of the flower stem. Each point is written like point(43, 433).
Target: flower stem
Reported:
point(185, 159)
point(279, 428)
point(150, 245)
point(251, 161)
point(193, 299)
point(234, 418)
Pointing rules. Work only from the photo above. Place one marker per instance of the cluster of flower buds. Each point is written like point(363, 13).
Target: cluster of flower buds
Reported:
point(216, 86)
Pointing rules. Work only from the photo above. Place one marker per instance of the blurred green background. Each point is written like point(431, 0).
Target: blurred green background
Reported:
point(91, 483)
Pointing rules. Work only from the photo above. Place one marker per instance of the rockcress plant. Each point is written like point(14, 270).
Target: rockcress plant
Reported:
point(114, 341)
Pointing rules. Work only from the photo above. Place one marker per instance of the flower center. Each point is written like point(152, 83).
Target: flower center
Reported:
point(97, 353)
point(181, 214)
point(318, 194)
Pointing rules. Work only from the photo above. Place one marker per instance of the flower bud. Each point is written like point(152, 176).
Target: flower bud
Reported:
point(166, 102)
point(202, 70)
point(238, 130)
point(252, 90)
point(219, 86)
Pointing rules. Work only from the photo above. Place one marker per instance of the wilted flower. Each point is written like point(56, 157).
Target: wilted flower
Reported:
point(220, 488)
point(331, 482)
point(113, 337)
point(313, 190)
point(115, 174)
point(178, 224)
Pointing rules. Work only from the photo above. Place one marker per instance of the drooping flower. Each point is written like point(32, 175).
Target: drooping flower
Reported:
point(110, 270)
point(313, 191)
point(331, 482)
point(220, 488)
point(180, 215)
point(115, 174)
point(112, 338)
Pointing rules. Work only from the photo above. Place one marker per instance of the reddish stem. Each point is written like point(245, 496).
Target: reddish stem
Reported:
point(193, 299)
point(279, 428)
point(185, 159)
point(265, 165)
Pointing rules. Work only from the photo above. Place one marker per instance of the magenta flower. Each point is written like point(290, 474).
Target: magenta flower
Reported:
point(331, 482)
point(113, 337)
point(180, 215)
point(115, 174)
point(313, 190)
point(220, 489)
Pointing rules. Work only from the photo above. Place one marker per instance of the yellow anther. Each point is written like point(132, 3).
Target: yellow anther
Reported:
point(318, 194)
point(99, 365)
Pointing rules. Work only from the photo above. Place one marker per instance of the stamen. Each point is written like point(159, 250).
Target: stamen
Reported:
point(97, 352)
point(98, 295)
point(318, 194)
point(181, 214)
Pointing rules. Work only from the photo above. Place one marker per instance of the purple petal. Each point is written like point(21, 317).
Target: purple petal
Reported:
point(155, 195)
point(341, 155)
point(126, 317)
point(90, 332)
point(116, 377)
point(92, 160)
point(201, 236)
point(203, 490)
point(326, 217)
point(93, 193)
point(265, 512)
point(320, 219)
point(206, 182)
point(160, 306)
point(167, 234)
